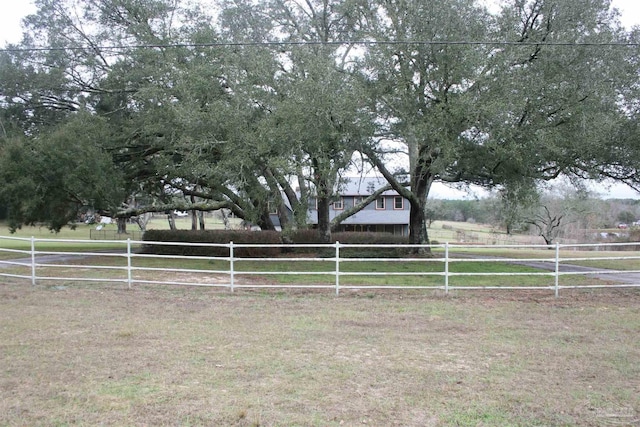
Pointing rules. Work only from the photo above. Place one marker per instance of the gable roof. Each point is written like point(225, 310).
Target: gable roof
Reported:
point(362, 186)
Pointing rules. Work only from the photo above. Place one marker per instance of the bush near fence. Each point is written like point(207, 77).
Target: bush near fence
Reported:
point(357, 238)
point(298, 237)
point(222, 237)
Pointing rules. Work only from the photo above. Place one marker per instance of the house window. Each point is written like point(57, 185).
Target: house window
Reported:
point(398, 202)
point(380, 203)
point(338, 205)
point(273, 208)
point(357, 200)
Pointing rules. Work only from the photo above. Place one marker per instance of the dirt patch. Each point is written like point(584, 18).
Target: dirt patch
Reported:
point(189, 278)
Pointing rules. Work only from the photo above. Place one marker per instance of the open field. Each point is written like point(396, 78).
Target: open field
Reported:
point(82, 231)
point(169, 356)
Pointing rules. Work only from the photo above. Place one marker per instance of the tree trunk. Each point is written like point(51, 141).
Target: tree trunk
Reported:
point(194, 220)
point(264, 222)
point(420, 186)
point(225, 219)
point(201, 219)
point(417, 226)
point(122, 225)
point(300, 209)
point(324, 225)
point(172, 221)
point(418, 234)
point(324, 189)
point(421, 180)
point(194, 215)
point(276, 196)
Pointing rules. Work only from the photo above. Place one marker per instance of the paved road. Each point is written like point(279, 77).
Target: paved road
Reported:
point(43, 259)
point(599, 273)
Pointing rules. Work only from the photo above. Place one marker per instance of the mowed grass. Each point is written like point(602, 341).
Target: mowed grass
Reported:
point(101, 355)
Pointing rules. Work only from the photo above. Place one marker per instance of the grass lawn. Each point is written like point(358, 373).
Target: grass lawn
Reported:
point(102, 355)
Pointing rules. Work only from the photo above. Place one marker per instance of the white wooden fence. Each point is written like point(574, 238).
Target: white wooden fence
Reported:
point(40, 266)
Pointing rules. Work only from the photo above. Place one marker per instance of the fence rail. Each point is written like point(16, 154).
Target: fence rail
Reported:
point(130, 267)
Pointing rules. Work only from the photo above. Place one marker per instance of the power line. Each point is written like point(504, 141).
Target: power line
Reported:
point(319, 43)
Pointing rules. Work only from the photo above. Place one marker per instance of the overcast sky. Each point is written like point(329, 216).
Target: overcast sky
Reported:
point(12, 12)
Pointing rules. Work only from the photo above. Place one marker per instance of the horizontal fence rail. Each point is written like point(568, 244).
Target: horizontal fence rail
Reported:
point(318, 266)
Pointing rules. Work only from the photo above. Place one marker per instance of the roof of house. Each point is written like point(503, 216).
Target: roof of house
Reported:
point(362, 186)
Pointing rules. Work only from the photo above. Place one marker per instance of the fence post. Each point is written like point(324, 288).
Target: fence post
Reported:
point(337, 268)
point(446, 268)
point(129, 278)
point(231, 275)
point(557, 272)
point(33, 261)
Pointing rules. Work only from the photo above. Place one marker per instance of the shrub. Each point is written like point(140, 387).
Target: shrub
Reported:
point(633, 236)
point(376, 239)
point(355, 238)
point(215, 237)
point(309, 237)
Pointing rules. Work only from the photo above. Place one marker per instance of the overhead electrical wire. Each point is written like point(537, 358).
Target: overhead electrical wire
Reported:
point(318, 43)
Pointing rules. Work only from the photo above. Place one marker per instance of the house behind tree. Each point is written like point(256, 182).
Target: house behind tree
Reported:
point(389, 213)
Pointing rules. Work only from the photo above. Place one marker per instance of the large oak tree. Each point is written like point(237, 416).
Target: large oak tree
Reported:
point(531, 93)
point(187, 114)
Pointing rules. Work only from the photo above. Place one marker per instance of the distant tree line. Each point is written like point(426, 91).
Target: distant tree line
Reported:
point(560, 213)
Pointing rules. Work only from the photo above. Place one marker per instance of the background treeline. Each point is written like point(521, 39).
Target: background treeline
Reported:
point(597, 213)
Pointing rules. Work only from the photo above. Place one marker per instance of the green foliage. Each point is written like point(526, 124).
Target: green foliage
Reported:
point(220, 237)
point(52, 178)
point(495, 115)
point(307, 237)
point(626, 217)
point(516, 200)
point(352, 238)
point(91, 128)
point(304, 236)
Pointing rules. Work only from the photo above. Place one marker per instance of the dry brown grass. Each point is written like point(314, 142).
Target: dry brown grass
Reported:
point(91, 355)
